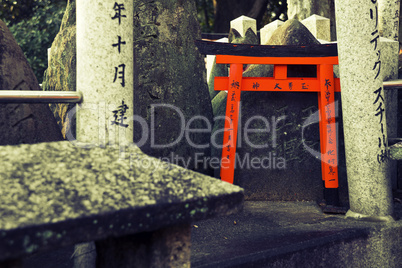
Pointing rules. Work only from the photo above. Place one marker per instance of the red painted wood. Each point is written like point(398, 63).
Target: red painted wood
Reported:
point(231, 123)
point(329, 154)
point(228, 59)
point(269, 83)
point(324, 84)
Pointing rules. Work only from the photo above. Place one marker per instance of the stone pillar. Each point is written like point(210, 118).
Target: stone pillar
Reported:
point(363, 109)
point(267, 31)
point(242, 24)
point(105, 72)
point(319, 26)
point(388, 13)
point(389, 69)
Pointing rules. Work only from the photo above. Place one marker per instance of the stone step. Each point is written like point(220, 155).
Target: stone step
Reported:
point(294, 234)
point(396, 151)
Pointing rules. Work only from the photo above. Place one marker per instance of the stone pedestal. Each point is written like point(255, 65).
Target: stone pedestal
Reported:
point(319, 26)
point(268, 30)
point(105, 72)
point(167, 247)
point(364, 110)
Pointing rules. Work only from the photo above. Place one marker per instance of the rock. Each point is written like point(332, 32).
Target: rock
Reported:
point(216, 70)
point(61, 73)
point(249, 38)
point(287, 171)
point(21, 123)
point(171, 77)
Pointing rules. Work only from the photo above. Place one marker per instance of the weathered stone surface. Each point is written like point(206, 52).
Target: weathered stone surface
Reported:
point(214, 70)
point(364, 110)
point(56, 194)
point(21, 123)
point(170, 86)
point(169, 247)
point(319, 27)
point(396, 151)
point(171, 75)
point(288, 170)
point(293, 32)
point(61, 72)
point(388, 13)
point(389, 69)
point(105, 72)
point(302, 9)
point(242, 24)
point(267, 31)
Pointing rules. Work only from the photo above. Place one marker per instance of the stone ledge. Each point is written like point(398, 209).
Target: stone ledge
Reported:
point(57, 194)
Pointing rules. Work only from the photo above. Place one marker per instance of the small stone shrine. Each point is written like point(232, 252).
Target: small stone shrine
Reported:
point(276, 130)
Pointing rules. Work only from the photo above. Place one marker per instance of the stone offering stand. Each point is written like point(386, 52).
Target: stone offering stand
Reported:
point(57, 194)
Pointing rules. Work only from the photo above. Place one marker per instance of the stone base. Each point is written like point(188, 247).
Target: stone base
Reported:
point(357, 216)
point(168, 247)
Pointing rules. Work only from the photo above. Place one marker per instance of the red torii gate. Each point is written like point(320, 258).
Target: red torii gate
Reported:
point(324, 84)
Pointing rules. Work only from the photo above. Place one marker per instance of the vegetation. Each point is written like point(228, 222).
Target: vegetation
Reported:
point(34, 24)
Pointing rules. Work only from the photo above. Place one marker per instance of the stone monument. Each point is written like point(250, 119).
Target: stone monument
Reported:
point(105, 72)
point(170, 87)
point(364, 110)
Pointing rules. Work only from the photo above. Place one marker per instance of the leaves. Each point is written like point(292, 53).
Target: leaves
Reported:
point(34, 24)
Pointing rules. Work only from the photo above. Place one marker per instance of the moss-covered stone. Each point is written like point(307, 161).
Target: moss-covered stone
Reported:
point(61, 73)
point(60, 193)
point(171, 72)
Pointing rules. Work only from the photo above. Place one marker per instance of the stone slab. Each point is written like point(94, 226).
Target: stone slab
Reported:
point(58, 194)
